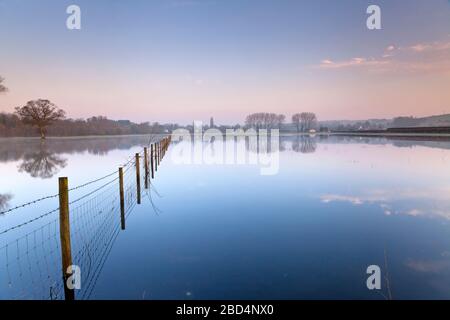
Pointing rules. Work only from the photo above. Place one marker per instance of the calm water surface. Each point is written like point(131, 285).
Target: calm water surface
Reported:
point(336, 206)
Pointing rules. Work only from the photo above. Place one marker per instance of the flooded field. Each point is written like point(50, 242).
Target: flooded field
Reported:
point(210, 230)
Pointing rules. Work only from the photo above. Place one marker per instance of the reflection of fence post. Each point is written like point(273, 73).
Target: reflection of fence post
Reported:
point(151, 161)
point(146, 167)
point(157, 153)
point(122, 199)
point(138, 180)
point(64, 231)
point(156, 156)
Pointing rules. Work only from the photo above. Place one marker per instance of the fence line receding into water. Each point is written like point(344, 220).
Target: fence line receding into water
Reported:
point(82, 235)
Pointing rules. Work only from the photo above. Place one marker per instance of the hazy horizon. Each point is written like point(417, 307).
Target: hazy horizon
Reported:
point(178, 61)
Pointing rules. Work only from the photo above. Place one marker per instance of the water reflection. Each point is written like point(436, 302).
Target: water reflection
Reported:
point(45, 159)
point(432, 202)
point(4, 200)
point(344, 205)
point(25, 148)
point(42, 163)
point(15, 149)
point(304, 144)
point(30, 259)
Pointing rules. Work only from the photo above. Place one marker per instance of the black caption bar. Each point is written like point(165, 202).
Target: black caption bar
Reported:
point(265, 309)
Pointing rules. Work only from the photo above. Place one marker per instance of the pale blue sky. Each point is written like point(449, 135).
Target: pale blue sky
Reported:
point(179, 60)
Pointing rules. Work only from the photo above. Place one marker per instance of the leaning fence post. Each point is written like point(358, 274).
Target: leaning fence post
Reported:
point(138, 180)
point(122, 199)
point(64, 231)
point(146, 167)
point(151, 161)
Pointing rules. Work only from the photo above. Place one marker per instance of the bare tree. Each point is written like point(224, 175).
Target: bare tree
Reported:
point(40, 113)
point(308, 120)
point(263, 120)
point(2, 87)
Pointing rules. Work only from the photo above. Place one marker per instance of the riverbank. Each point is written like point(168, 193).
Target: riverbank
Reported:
point(392, 134)
point(371, 134)
point(285, 134)
point(84, 137)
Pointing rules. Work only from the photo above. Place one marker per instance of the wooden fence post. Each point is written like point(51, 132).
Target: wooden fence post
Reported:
point(122, 199)
point(151, 161)
point(164, 148)
point(64, 231)
point(138, 180)
point(146, 167)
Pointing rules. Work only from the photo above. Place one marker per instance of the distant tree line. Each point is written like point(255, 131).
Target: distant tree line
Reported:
point(359, 125)
point(11, 125)
point(431, 121)
point(42, 117)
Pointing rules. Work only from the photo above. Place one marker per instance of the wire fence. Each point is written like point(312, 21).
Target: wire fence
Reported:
point(31, 263)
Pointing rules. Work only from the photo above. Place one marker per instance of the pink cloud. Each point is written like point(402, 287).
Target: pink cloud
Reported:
point(418, 58)
point(390, 48)
point(436, 46)
point(354, 62)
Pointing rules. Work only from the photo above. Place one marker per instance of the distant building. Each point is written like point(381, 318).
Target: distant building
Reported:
point(211, 122)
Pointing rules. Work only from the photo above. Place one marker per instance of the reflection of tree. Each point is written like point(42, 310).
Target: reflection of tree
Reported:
point(42, 164)
point(304, 144)
point(93, 145)
point(4, 199)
